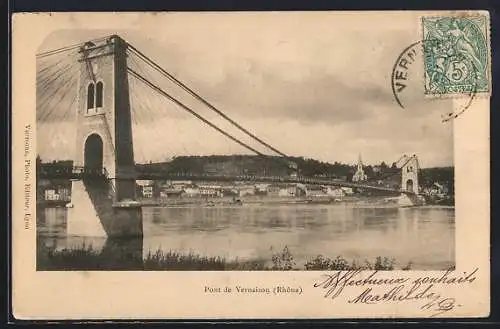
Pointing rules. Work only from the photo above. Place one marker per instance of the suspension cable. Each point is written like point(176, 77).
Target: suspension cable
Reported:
point(186, 108)
point(201, 99)
point(67, 48)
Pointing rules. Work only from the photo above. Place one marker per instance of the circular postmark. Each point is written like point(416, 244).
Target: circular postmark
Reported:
point(426, 75)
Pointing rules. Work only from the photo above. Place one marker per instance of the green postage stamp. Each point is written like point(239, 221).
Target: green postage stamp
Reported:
point(456, 54)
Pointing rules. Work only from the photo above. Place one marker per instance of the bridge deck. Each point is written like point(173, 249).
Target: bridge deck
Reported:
point(266, 179)
point(86, 173)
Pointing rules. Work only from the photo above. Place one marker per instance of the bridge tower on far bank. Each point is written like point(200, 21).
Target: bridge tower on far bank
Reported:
point(409, 174)
point(104, 145)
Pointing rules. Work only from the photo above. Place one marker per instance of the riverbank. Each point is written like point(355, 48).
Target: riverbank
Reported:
point(229, 201)
point(257, 200)
point(357, 200)
point(86, 258)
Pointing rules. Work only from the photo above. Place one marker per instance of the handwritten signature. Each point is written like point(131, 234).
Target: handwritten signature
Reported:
point(396, 289)
point(437, 303)
point(440, 306)
point(337, 282)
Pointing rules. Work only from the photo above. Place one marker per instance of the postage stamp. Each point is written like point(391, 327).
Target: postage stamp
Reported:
point(456, 58)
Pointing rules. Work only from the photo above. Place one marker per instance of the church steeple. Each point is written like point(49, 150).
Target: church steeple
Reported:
point(360, 163)
point(360, 174)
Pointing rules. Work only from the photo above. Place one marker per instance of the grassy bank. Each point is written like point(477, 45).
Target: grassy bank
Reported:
point(86, 258)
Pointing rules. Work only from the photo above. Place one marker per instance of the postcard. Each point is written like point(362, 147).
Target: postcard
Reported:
point(252, 165)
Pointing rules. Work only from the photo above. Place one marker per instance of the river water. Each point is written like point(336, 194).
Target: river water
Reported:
point(424, 236)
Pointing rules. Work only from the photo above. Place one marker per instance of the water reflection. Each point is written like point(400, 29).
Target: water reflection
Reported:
point(424, 236)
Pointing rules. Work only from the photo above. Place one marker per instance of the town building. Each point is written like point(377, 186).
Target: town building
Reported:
point(347, 191)
point(289, 191)
point(300, 190)
point(44, 183)
point(163, 195)
point(64, 194)
point(261, 188)
point(246, 190)
point(229, 190)
point(210, 190)
point(275, 190)
point(169, 190)
point(51, 195)
point(192, 191)
point(293, 169)
point(316, 192)
point(146, 188)
point(335, 192)
point(437, 189)
point(147, 191)
point(179, 184)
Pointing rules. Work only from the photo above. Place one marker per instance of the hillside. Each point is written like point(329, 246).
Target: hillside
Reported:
point(276, 166)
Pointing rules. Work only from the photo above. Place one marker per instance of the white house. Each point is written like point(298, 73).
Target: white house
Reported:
point(261, 187)
point(347, 190)
point(142, 182)
point(337, 193)
point(288, 191)
point(51, 195)
point(192, 191)
point(246, 190)
point(210, 190)
point(147, 191)
point(180, 184)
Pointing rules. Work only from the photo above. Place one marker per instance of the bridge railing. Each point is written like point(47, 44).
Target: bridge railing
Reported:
point(86, 172)
point(263, 178)
point(73, 172)
point(277, 179)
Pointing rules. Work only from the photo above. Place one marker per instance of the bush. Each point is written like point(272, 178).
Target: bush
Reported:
point(341, 264)
point(408, 267)
point(283, 261)
point(160, 260)
point(384, 264)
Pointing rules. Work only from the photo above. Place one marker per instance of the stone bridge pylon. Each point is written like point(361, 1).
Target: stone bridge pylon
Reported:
point(104, 205)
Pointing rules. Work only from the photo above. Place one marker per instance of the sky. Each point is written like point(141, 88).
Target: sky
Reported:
point(317, 87)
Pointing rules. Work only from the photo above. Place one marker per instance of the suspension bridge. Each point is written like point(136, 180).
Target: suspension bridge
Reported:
point(106, 88)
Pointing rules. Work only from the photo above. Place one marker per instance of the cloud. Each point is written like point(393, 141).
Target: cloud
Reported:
point(316, 97)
